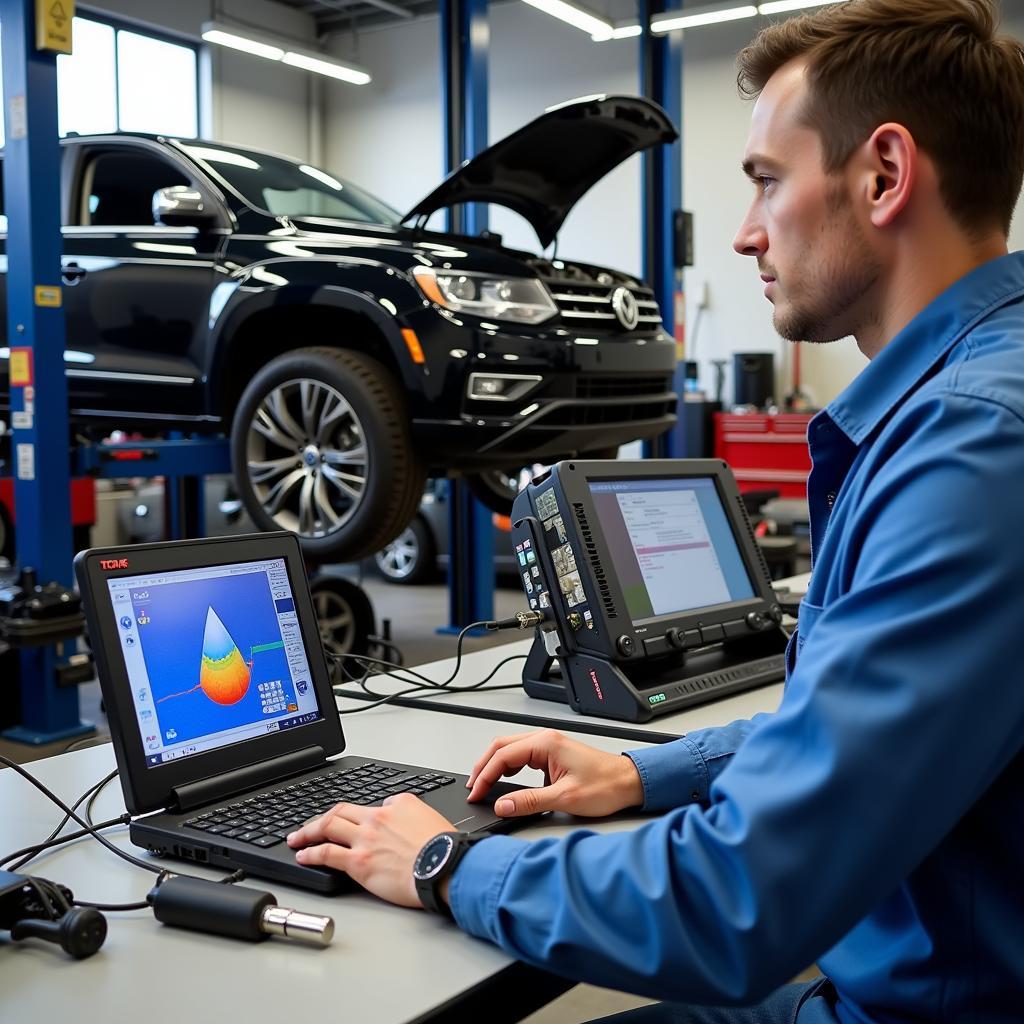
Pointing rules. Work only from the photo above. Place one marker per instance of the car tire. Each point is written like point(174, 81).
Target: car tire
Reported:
point(495, 489)
point(411, 558)
point(344, 616)
point(320, 445)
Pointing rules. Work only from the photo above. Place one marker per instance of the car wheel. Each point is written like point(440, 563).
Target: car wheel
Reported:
point(344, 616)
point(411, 557)
point(320, 446)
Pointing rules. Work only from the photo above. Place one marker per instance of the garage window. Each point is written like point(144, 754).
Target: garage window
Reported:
point(118, 79)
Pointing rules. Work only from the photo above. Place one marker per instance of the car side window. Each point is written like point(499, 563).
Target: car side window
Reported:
point(117, 187)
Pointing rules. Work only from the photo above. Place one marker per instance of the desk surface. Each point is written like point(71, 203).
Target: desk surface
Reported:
point(385, 965)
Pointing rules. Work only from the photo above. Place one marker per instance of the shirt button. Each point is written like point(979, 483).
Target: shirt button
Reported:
point(695, 795)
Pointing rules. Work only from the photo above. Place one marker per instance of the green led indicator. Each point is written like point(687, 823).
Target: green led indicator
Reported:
point(656, 698)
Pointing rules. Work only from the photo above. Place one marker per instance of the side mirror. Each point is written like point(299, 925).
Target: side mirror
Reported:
point(182, 206)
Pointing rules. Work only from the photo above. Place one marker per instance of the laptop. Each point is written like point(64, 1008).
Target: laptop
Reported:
point(221, 712)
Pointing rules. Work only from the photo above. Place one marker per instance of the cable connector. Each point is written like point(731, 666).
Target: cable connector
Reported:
point(235, 911)
point(521, 620)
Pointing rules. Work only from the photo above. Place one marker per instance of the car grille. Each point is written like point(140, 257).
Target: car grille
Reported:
point(606, 386)
point(583, 304)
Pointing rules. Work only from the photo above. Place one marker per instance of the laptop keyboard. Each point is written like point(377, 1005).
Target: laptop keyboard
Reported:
point(267, 819)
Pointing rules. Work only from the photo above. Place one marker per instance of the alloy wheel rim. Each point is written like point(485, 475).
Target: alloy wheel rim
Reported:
point(307, 458)
point(399, 558)
point(336, 621)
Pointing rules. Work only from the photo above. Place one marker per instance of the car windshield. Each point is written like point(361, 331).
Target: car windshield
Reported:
point(287, 188)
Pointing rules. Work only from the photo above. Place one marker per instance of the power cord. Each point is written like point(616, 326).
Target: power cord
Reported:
point(521, 620)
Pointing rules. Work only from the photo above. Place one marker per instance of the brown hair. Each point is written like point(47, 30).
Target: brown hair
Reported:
point(935, 66)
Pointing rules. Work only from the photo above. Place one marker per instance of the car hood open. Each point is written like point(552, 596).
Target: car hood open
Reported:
point(542, 170)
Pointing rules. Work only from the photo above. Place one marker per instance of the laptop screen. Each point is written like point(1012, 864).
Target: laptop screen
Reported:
point(214, 656)
point(672, 545)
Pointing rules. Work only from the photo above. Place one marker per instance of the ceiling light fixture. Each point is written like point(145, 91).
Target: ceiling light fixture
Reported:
point(260, 45)
point(684, 21)
point(622, 32)
point(236, 42)
point(780, 6)
point(597, 27)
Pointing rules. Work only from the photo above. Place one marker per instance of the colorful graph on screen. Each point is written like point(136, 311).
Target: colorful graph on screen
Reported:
point(225, 674)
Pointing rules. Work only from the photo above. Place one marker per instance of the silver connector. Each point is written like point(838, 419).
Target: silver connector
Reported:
point(311, 929)
point(528, 619)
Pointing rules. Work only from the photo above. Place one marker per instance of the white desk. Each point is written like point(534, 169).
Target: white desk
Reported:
point(385, 965)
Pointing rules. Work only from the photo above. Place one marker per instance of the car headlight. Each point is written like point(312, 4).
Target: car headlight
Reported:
point(523, 300)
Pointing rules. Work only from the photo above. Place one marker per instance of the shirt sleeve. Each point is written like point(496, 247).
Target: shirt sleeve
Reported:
point(681, 772)
point(880, 746)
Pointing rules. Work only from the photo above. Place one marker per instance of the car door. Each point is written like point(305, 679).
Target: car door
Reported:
point(136, 293)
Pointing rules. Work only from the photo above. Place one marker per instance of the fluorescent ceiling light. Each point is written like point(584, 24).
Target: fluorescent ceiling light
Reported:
point(705, 18)
point(261, 45)
point(327, 67)
point(257, 49)
point(622, 32)
point(575, 16)
point(780, 6)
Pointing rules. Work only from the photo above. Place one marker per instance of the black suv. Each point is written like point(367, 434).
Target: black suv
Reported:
point(349, 351)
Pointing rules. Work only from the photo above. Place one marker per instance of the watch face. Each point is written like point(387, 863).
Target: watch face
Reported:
point(433, 856)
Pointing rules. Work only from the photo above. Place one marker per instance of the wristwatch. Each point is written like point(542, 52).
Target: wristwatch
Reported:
point(435, 862)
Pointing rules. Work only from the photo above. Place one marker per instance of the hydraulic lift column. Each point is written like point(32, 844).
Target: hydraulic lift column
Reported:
point(35, 338)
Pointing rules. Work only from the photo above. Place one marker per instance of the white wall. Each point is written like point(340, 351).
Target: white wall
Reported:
point(254, 102)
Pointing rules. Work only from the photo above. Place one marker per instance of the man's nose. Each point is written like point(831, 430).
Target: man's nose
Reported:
point(751, 239)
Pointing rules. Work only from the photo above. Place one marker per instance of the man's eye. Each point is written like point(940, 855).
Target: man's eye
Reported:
point(764, 180)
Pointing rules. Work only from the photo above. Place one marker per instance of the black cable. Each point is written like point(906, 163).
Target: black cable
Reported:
point(50, 795)
point(45, 844)
point(427, 685)
point(32, 852)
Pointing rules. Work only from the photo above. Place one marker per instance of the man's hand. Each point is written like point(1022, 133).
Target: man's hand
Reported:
point(578, 779)
point(377, 846)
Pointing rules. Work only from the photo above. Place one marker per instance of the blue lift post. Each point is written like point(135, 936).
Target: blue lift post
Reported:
point(35, 332)
point(465, 37)
point(661, 80)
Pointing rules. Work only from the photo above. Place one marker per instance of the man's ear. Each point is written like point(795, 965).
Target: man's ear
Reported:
point(890, 165)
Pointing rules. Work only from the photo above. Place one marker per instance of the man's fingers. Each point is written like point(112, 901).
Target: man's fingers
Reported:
point(340, 819)
point(496, 745)
point(506, 761)
point(529, 801)
point(327, 854)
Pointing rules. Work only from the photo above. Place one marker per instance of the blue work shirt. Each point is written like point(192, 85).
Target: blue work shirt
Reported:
point(875, 822)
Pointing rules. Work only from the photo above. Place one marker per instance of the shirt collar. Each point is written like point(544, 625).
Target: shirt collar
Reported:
point(923, 342)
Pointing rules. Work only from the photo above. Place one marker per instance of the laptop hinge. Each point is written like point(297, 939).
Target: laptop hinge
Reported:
point(252, 776)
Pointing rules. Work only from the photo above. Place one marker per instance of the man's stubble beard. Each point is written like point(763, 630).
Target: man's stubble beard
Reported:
point(836, 289)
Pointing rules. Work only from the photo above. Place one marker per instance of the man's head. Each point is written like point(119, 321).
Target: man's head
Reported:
point(877, 123)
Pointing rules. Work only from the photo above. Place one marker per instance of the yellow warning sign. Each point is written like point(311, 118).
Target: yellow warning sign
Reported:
point(21, 367)
point(48, 295)
point(53, 25)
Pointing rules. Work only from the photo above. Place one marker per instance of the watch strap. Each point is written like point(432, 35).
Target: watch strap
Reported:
point(429, 889)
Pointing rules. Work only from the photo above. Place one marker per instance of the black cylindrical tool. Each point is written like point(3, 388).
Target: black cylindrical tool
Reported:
point(235, 911)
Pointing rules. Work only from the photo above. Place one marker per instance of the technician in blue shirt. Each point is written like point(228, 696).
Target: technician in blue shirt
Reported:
point(875, 822)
